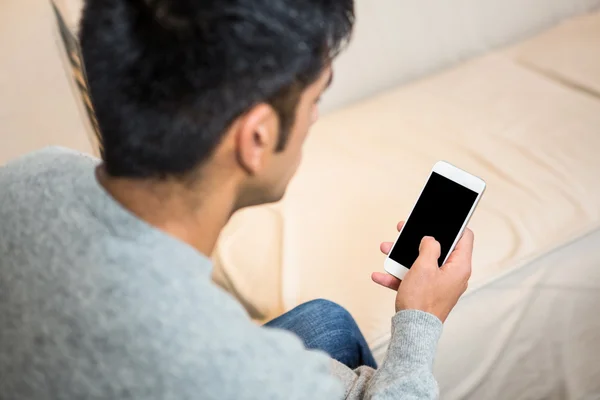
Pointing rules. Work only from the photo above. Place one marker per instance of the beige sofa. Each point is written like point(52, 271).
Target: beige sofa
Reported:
point(525, 117)
point(37, 105)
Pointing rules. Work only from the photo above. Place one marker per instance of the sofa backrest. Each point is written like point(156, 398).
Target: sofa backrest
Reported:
point(397, 41)
point(37, 103)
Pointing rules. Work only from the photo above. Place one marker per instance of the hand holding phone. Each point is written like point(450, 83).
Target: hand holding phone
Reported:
point(426, 287)
point(430, 262)
point(442, 211)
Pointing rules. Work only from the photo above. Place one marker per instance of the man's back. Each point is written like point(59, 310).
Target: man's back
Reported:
point(95, 303)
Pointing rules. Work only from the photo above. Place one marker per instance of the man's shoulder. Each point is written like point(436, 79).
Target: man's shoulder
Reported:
point(48, 157)
point(44, 166)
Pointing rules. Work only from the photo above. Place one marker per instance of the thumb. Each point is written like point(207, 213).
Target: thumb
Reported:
point(429, 252)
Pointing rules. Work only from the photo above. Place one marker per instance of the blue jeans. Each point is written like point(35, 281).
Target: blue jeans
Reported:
point(326, 326)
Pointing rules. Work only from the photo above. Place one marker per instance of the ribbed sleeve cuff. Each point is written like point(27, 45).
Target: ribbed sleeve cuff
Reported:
point(415, 335)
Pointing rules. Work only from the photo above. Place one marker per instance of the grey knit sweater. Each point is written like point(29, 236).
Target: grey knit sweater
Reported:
point(96, 304)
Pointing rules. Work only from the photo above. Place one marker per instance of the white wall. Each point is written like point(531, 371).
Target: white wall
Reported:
point(398, 40)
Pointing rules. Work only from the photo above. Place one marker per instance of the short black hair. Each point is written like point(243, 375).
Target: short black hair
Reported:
point(167, 77)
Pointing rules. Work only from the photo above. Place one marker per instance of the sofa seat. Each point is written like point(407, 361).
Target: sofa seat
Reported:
point(533, 139)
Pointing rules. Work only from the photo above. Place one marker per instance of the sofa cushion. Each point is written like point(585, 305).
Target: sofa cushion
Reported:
point(569, 52)
point(252, 271)
point(534, 141)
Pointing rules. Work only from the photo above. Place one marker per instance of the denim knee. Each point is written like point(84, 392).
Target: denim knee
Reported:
point(326, 326)
point(330, 313)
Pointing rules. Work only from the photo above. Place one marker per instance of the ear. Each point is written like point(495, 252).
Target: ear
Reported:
point(256, 137)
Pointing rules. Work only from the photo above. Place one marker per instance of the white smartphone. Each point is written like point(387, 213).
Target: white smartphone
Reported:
point(442, 211)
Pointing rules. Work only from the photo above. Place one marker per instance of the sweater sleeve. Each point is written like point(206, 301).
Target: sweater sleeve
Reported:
point(407, 371)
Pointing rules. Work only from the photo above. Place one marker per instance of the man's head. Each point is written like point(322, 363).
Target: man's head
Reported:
point(182, 87)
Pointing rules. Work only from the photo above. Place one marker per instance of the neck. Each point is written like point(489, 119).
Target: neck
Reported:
point(193, 214)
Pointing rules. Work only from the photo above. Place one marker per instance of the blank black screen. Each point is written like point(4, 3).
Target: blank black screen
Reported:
point(440, 212)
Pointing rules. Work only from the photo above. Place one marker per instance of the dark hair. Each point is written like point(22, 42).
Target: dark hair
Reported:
point(167, 77)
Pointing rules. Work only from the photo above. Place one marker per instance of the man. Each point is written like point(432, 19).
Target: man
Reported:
point(105, 287)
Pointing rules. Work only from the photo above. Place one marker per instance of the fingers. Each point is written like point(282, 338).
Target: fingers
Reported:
point(386, 280)
point(463, 252)
point(386, 247)
point(429, 252)
point(460, 260)
point(466, 242)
